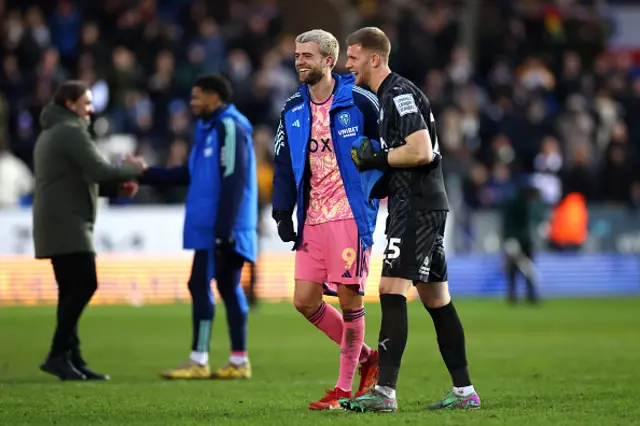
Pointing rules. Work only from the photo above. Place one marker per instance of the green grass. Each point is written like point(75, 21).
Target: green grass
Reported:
point(564, 362)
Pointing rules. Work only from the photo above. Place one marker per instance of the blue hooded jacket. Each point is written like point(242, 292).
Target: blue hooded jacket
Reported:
point(354, 114)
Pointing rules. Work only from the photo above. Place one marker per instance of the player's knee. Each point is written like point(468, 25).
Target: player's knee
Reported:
point(349, 305)
point(394, 286)
point(198, 290)
point(349, 297)
point(306, 306)
point(434, 295)
point(435, 302)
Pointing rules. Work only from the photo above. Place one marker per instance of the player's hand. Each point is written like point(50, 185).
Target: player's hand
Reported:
point(225, 246)
point(286, 231)
point(128, 189)
point(366, 158)
point(137, 161)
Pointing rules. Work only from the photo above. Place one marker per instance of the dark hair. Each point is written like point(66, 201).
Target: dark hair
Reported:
point(215, 83)
point(371, 38)
point(69, 91)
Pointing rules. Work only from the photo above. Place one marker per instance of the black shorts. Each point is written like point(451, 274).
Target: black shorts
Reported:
point(415, 247)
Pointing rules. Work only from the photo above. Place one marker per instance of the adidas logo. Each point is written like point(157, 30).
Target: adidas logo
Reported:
point(347, 274)
point(296, 123)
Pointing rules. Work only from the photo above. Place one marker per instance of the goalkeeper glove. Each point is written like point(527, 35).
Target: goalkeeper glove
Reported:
point(366, 158)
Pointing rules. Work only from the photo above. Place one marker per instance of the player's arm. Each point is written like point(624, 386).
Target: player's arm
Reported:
point(165, 176)
point(80, 147)
point(284, 185)
point(234, 173)
point(368, 105)
point(418, 150)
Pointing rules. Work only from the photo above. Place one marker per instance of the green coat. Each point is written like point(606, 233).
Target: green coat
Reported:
point(70, 173)
point(521, 217)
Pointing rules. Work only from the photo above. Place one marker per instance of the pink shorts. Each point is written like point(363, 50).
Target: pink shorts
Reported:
point(331, 253)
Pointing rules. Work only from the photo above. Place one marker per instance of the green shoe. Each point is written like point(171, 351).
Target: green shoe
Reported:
point(451, 400)
point(371, 401)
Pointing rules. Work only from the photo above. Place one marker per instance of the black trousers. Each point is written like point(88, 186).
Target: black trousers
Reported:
point(77, 282)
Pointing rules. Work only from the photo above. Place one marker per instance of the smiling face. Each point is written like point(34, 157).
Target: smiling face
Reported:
point(83, 106)
point(360, 63)
point(311, 64)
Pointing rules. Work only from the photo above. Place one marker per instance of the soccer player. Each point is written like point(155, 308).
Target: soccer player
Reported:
point(418, 208)
point(313, 171)
point(220, 223)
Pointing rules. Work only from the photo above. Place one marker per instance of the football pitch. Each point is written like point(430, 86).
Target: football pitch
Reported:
point(565, 362)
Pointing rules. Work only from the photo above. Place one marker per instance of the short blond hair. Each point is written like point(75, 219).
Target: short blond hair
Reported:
point(327, 42)
point(371, 38)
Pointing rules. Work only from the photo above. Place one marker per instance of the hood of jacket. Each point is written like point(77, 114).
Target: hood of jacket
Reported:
point(53, 114)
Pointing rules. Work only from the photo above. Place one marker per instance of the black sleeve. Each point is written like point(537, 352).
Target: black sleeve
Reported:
point(406, 113)
point(165, 176)
point(109, 189)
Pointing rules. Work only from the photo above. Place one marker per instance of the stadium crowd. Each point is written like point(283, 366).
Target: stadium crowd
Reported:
point(535, 93)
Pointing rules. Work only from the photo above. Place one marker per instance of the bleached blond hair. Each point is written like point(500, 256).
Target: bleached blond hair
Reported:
point(327, 42)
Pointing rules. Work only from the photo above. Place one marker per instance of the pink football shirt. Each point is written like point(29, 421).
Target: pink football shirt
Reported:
point(327, 199)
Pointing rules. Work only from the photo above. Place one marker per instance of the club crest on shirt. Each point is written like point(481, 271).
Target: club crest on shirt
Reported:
point(344, 119)
point(347, 132)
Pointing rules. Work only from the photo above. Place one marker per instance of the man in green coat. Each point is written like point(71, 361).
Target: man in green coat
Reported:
point(522, 214)
point(70, 174)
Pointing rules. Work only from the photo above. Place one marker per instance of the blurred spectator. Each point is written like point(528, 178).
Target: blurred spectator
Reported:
point(547, 165)
point(568, 224)
point(65, 27)
point(476, 194)
point(578, 176)
point(616, 176)
point(16, 178)
point(528, 88)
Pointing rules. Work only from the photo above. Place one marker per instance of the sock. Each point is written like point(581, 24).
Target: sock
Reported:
point(330, 321)
point(238, 358)
point(393, 338)
point(350, 347)
point(201, 358)
point(464, 390)
point(451, 343)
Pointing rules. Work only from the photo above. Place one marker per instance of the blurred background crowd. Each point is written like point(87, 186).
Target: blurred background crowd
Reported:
point(517, 87)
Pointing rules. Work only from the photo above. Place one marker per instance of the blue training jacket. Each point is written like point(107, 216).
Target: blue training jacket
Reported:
point(222, 199)
point(353, 115)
